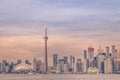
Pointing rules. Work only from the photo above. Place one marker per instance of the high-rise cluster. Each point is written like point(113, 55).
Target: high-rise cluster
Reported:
point(103, 62)
point(66, 65)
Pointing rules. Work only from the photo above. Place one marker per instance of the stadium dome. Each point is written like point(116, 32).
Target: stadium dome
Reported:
point(21, 68)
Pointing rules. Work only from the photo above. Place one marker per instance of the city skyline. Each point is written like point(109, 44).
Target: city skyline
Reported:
point(73, 25)
point(105, 62)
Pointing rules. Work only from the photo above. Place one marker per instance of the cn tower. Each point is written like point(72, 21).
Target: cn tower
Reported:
point(45, 52)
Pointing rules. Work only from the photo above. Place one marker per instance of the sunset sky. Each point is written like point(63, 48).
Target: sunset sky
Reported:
point(73, 25)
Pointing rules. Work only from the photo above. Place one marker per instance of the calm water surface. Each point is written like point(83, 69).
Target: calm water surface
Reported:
point(60, 77)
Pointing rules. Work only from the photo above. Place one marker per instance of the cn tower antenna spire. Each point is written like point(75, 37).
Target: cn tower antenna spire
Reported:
point(45, 31)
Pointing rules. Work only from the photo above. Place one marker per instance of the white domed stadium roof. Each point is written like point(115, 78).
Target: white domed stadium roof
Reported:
point(20, 67)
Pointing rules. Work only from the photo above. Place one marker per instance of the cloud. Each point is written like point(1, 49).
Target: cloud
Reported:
point(51, 12)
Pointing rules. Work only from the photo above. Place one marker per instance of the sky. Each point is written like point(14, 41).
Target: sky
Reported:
point(73, 25)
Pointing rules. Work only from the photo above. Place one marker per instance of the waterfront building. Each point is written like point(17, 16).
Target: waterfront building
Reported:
point(4, 63)
point(108, 66)
point(38, 67)
point(100, 59)
point(7, 69)
point(74, 68)
point(73, 65)
point(55, 61)
point(35, 64)
point(42, 67)
point(71, 62)
point(79, 66)
point(117, 65)
point(61, 62)
point(85, 65)
point(11, 67)
point(101, 70)
point(50, 69)
point(66, 68)
point(58, 68)
point(0, 67)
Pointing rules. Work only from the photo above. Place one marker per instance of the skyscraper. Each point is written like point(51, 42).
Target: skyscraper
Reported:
point(85, 62)
point(55, 61)
point(79, 65)
point(113, 51)
point(39, 65)
point(4, 66)
point(66, 68)
point(85, 65)
point(85, 54)
point(0, 67)
point(45, 52)
point(34, 64)
point(94, 63)
point(66, 59)
point(100, 59)
point(108, 66)
point(72, 62)
point(117, 65)
point(58, 68)
point(90, 53)
point(61, 62)
point(107, 51)
point(113, 48)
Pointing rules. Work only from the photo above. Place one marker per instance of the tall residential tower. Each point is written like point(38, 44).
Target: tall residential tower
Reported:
point(55, 61)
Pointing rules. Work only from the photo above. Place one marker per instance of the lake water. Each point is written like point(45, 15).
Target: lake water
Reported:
point(60, 77)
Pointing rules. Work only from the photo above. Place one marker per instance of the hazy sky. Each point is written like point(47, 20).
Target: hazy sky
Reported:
point(73, 25)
